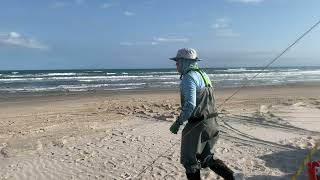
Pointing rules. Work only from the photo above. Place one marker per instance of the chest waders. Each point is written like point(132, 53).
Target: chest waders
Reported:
point(200, 135)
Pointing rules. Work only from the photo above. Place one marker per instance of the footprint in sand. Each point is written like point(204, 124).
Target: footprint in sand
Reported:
point(20, 146)
point(111, 164)
point(6, 152)
point(59, 142)
point(165, 117)
point(126, 176)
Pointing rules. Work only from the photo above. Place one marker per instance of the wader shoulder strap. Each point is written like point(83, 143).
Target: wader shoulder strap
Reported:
point(205, 78)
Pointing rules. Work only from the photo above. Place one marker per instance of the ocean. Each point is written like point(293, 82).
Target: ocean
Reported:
point(121, 79)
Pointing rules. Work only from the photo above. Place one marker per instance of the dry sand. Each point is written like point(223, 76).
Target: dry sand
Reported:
point(266, 133)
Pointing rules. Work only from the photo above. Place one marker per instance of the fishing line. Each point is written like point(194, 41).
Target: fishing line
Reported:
point(271, 62)
point(243, 85)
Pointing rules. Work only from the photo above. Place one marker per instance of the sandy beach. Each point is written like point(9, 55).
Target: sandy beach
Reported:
point(266, 132)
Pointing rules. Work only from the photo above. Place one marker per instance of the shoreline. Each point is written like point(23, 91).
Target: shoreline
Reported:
point(259, 90)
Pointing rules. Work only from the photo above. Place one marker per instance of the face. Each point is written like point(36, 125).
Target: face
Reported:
point(178, 65)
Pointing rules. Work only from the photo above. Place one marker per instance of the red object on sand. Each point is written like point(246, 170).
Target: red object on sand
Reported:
point(314, 170)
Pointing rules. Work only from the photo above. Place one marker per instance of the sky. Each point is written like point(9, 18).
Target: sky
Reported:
point(121, 34)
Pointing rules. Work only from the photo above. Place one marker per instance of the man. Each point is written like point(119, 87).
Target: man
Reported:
point(198, 108)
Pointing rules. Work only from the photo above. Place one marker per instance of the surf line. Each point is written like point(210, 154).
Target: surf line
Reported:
point(237, 91)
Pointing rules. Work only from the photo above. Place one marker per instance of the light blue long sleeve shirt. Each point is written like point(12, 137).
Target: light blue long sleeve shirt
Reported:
point(190, 86)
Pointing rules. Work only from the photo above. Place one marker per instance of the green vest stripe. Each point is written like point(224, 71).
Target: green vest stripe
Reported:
point(205, 78)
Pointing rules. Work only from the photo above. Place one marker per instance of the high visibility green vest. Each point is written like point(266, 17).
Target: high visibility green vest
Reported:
point(205, 78)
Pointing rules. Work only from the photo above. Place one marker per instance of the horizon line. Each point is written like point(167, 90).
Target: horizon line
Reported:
point(154, 68)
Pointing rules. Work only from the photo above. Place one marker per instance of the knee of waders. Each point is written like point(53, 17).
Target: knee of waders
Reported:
point(192, 168)
point(208, 161)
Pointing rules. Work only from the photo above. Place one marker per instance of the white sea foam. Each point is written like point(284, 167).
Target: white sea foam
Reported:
point(42, 75)
point(244, 70)
point(19, 76)
point(236, 69)
point(111, 73)
point(87, 80)
point(169, 82)
point(291, 69)
point(315, 72)
point(122, 88)
point(21, 79)
point(86, 86)
point(168, 72)
point(99, 77)
point(94, 71)
point(60, 74)
point(130, 84)
point(31, 89)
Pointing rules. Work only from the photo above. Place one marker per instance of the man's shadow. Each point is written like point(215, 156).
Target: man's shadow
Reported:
point(289, 158)
point(288, 162)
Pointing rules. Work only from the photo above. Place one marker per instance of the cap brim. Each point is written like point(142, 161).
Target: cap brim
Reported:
point(175, 59)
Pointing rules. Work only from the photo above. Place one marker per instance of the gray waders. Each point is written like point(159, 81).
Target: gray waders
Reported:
point(200, 135)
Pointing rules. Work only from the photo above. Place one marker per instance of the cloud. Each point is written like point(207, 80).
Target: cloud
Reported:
point(139, 43)
point(156, 41)
point(247, 1)
point(223, 28)
point(59, 4)
point(221, 23)
point(16, 39)
point(147, 43)
point(105, 5)
point(170, 40)
point(128, 13)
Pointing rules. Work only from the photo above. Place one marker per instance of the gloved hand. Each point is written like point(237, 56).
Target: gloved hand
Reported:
point(175, 127)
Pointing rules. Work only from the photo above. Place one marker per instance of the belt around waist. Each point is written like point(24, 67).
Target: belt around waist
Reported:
point(197, 119)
